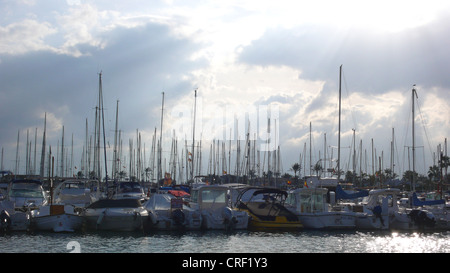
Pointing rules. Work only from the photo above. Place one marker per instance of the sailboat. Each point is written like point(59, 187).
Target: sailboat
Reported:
point(114, 214)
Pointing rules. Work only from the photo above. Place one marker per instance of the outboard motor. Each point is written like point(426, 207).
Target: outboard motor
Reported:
point(422, 218)
point(178, 217)
point(5, 221)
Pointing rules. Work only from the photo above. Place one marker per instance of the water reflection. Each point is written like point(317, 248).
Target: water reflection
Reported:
point(234, 242)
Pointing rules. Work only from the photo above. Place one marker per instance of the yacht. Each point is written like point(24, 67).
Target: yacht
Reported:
point(169, 211)
point(215, 203)
point(311, 207)
point(116, 215)
point(22, 196)
point(267, 210)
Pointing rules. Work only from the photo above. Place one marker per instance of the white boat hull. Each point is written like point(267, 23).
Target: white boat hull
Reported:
point(366, 221)
point(161, 220)
point(116, 219)
point(58, 223)
point(211, 220)
point(327, 220)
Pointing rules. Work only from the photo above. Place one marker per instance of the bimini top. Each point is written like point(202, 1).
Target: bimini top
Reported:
point(417, 202)
point(341, 194)
point(115, 203)
point(247, 194)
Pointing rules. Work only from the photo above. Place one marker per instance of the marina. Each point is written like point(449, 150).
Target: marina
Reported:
point(256, 213)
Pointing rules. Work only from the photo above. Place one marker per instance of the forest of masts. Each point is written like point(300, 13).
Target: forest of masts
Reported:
point(241, 159)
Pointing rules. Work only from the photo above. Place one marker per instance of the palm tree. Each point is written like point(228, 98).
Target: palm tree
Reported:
point(296, 168)
point(317, 168)
point(434, 173)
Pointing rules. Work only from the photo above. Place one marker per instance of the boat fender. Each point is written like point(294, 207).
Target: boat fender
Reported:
point(100, 217)
point(227, 214)
point(152, 218)
point(178, 217)
point(135, 216)
point(5, 220)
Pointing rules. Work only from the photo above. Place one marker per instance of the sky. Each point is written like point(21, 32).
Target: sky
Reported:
point(248, 62)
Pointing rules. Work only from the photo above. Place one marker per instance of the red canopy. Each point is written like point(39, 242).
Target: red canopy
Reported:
point(178, 193)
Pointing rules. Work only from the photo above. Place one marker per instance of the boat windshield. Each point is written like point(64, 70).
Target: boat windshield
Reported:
point(158, 202)
point(74, 186)
point(129, 187)
point(26, 190)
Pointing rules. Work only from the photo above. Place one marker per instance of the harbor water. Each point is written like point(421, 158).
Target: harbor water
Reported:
point(306, 241)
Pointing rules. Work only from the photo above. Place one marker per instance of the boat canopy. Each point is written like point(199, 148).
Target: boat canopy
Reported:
point(417, 202)
point(178, 193)
point(16, 181)
point(269, 191)
point(341, 194)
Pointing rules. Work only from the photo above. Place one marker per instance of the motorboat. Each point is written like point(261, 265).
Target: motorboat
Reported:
point(215, 205)
point(267, 210)
point(311, 207)
point(169, 211)
point(56, 218)
point(77, 192)
point(381, 210)
point(437, 207)
point(27, 193)
point(116, 215)
point(64, 213)
point(12, 219)
point(22, 196)
point(129, 190)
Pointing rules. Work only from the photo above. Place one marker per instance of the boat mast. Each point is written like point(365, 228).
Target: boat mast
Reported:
point(114, 165)
point(339, 133)
point(193, 135)
point(103, 121)
point(413, 140)
point(41, 169)
point(160, 142)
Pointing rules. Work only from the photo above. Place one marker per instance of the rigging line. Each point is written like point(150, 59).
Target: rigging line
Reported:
point(348, 97)
point(425, 129)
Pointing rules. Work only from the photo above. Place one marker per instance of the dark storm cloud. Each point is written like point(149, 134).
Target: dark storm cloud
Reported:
point(137, 65)
point(373, 61)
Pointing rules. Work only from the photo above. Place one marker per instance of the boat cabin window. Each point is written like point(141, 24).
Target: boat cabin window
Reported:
point(290, 199)
point(389, 197)
point(311, 202)
point(213, 196)
point(26, 190)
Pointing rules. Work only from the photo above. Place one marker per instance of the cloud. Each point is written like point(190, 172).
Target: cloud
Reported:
point(374, 60)
point(137, 65)
point(25, 36)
